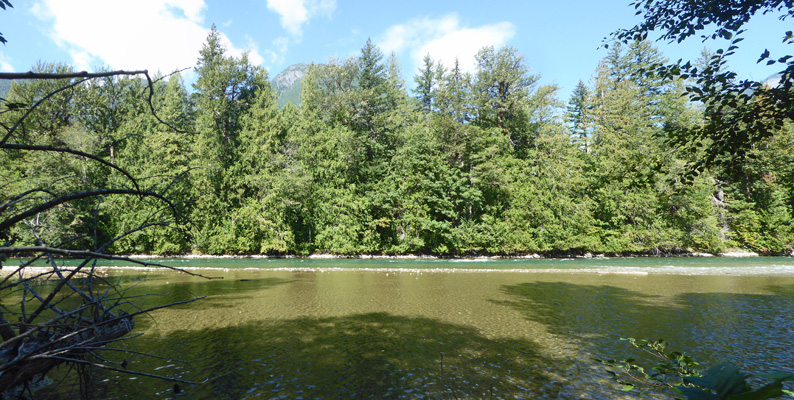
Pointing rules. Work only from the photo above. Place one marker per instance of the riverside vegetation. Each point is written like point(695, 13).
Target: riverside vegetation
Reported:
point(484, 163)
point(489, 162)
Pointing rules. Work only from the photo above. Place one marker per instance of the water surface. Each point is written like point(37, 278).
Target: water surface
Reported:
point(447, 328)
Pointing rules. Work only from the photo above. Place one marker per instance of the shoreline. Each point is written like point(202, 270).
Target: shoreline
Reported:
point(471, 265)
point(534, 256)
point(636, 272)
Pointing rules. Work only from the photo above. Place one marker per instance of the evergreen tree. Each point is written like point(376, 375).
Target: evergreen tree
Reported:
point(161, 155)
point(224, 90)
point(501, 90)
point(453, 95)
point(424, 85)
point(576, 116)
point(372, 71)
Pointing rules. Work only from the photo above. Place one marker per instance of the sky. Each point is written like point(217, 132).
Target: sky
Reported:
point(560, 39)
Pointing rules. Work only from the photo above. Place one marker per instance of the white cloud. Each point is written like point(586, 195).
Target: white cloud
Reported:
point(5, 63)
point(276, 56)
point(444, 39)
point(155, 35)
point(295, 13)
point(81, 60)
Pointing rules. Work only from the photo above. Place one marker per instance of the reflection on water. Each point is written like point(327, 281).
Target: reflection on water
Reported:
point(389, 334)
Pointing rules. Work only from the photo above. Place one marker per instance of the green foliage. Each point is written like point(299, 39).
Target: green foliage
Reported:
point(488, 162)
point(678, 374)
point(738, 113)
point(225, 90)
point(3, 4)
point(501, 91)
point(724, 381)
point(661, 370)
point(424, 84)
point(576, 115)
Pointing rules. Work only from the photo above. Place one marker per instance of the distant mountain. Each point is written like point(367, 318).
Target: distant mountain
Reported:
point(5, 86)
point(287, 84)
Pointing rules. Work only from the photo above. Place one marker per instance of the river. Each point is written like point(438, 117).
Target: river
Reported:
point(402, 329)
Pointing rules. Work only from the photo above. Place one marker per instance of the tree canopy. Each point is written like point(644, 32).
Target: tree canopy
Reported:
point(738, 113)
point(481, 162)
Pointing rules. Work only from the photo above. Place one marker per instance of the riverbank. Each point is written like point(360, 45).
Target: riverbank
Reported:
point(550, 256)
point(635, 266)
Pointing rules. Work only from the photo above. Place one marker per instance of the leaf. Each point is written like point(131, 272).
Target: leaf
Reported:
point(627, 388)
point(779, 376)
point(698, 394)
point(726, 379)
point(769, 391)
point(702, 381)
point(764, 55)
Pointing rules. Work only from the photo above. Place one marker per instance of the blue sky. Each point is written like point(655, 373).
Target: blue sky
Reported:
point(560, 39)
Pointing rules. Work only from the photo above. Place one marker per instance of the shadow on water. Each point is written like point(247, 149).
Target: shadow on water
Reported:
point(580, 312)
point(383, 355)
point(219, 293)
point(372, 356)
point(752, 331)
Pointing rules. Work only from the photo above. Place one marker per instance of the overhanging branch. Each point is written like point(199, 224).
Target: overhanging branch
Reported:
point(81, 74)
point(77, 196)
point(88, 253)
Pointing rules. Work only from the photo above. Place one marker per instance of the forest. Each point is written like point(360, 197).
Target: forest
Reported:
point(454, 164)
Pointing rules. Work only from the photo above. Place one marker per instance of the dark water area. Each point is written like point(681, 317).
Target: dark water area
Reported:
point(405, 329)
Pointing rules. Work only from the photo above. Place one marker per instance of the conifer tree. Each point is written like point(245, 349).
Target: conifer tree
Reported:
point(425, 80)
point(371, 68)
point(224, 90)
point(501, 89)
point(576, 115)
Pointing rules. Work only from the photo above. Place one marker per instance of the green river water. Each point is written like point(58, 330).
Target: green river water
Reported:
point(403, 329)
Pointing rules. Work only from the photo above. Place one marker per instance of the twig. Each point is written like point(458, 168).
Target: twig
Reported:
point(70, 151)
point(30, 110)
point(88, 253)
point(9, 222)
point(82, 74)
point(125, 371)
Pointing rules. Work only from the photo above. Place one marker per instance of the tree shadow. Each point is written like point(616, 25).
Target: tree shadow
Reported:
point(581, 312)
point(372, 356)
point(752, 331)
point(219, 293)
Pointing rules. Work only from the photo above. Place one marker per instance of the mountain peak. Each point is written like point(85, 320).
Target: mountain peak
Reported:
point(287, 84)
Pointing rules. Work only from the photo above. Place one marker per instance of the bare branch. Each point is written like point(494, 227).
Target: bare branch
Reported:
point(151, 105)
point(21, 197)
point(87, 253)
point(30, 110)
point(76, 196)
point(81, 74)
point(124, 371)
point(70, 151)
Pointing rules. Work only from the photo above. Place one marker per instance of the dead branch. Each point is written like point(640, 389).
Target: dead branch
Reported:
point(70, 151)
point(73, 334)
point(91, 254)
point(71, 75)
point(11, 221)
point(38, 103)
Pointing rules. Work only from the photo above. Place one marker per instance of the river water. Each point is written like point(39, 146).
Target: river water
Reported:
point(403, 329)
